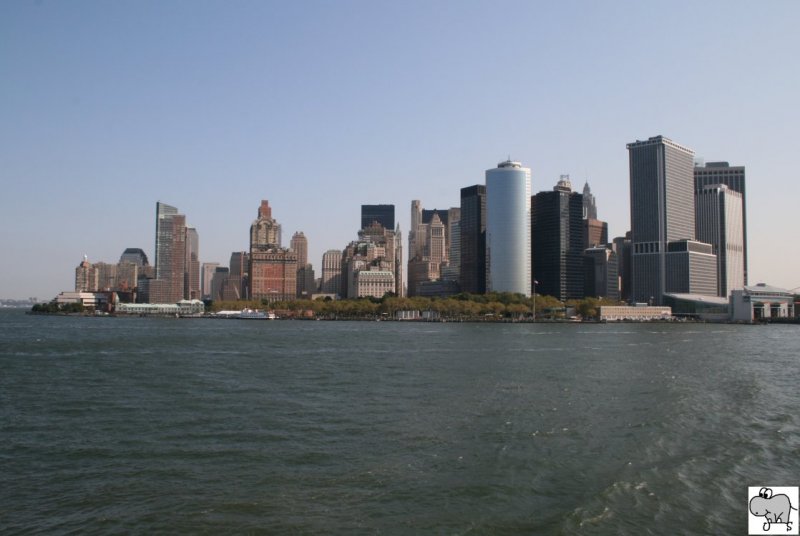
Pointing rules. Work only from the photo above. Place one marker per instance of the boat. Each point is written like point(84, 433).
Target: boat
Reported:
point(255, 314)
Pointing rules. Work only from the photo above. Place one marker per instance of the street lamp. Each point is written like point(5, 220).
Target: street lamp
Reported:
point(534, 300)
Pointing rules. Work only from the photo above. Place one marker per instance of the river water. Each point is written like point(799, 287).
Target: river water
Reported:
point(136, 425)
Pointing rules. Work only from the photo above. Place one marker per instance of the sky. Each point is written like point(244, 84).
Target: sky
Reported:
point(320, 107)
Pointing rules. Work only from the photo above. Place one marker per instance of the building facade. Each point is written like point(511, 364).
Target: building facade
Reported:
point(601, 273)
point(473, 239)
point(305, 272)
point(383, 214)
point(207, 272)
point(734, 178)
point(662, 211)
point(332, 272)
point(558, 241)
point(720, 222)
point(761, 302)
point(170, 261)
point(191, 282)
point(691, 268)
point(273, 269)
point(508, 228)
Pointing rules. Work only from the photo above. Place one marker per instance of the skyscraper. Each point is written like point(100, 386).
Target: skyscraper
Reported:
point(134, 255)
point(168, 286)
point(305, 273)
point(383, 214)
point(601, 273)
point(85, 276)
point(273, 269)
point(208, 269)
point(508, 228)
point(473, 239)
point(332, 272)
point(416, 221)
point(558, 242)
point(734, 178)
point(589, 205)
point(720, 223)
point(430, 251)
point(662, 211)
point(265, 231)
point(191, 282)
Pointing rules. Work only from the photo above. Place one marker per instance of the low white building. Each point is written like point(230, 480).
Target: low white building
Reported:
point(374, 283)
point(182, 308)
point(90, 300)
point(634, 313)
point(761, 302)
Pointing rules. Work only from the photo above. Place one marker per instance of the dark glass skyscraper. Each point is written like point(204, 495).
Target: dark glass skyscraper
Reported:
point(473, 239)
point(383, 214)
point(558, 242)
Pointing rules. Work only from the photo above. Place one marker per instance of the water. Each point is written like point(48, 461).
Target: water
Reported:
point(115, 425)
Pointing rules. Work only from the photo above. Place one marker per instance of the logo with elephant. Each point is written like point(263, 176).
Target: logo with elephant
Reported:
point(773, 510)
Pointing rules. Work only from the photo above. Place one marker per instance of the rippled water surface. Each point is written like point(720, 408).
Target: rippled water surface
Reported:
point(114, 425)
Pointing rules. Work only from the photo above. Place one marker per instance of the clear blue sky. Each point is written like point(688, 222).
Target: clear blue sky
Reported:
point(108, 107)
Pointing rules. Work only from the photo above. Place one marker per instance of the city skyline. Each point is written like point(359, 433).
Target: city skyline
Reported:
point(99, 123)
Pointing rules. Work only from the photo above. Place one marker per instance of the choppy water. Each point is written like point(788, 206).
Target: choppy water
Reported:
point(112, 425)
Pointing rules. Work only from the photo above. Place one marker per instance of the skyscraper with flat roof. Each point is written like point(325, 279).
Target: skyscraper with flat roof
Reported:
point(473, 239)
point(508, 228)
point(720, 223)
point(558, 241)
point(662, 211)
point(734, 178)
point(170, 261)
point(191, 283)
point(383, 214)
point(332, 272)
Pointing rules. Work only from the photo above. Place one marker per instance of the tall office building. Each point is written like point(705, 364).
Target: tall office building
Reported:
point(135, 255)
point(236, 284)
point(601, 273)
point(265, 231)
point(208, 269)
point(508, 228)
point(383, 214)
point(662, 211)
point(734, 178)
point(473, 239)
point(332, 272)
point(305, 272)
point(191, 280)
point(416, 221)
point(377, 250)
point(720, 222)
point(558, 241)
point(85, 276)
point(169, 283)
point(221, 274)
point(430, 255)
point(622, 247)
point(299, 244)
point(589, 205)
point(273, 269)
point(451, 272)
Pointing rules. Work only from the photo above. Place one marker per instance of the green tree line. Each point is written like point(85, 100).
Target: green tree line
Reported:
point(55, 308)
point(497, 305)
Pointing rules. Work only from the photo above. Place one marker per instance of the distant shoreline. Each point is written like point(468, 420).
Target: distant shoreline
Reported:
point(781, 321)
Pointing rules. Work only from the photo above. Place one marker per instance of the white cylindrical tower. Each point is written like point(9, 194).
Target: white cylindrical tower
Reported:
point(508, 228)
